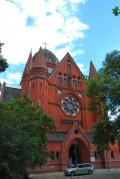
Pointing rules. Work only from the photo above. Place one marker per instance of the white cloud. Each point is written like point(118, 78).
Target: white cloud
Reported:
point(81, 66)
point(77, 52)
point(2, 80)
point(14, 76)
point(59, 27)
point(78, 1)
point(11, 78)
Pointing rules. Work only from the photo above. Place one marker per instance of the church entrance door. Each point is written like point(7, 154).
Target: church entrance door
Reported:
point(79, 153)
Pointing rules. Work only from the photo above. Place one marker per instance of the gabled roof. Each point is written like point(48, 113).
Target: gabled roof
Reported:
point(59, 64)
point(79, 129)
point(62, 137)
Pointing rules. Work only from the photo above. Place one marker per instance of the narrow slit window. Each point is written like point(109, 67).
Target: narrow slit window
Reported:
point(53, 155)
point(95, 155)
point(40, 101)
point(79, 83)
point(59, 79)
point(40, 86)
point(65, 80)
point(57, 155)
point(112, 154)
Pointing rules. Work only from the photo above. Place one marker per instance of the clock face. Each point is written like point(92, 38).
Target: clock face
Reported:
point(70, 106)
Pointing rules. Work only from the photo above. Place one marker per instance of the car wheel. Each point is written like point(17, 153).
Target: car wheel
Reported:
point(89, 172)
point(72, 173)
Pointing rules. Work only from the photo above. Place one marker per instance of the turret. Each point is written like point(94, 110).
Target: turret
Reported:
point(92, 71)
point(38, 88)
point(26, 76)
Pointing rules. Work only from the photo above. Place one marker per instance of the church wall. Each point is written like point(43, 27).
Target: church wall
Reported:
point(52, 93)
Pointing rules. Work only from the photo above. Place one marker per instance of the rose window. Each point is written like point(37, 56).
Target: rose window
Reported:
point(70, 106)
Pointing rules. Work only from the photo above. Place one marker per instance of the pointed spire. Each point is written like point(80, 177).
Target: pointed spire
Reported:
point(28, 64)
point(39, 61)
point(92, 71)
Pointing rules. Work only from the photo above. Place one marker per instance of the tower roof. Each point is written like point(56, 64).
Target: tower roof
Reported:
point(39, 59)
point(92, 71)
point(46, 52)
point(28, 64)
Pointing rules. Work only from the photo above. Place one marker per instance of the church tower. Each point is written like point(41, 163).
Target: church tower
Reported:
point(38, 87)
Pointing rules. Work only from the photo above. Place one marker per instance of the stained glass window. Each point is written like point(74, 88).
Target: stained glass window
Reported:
point(70, 106)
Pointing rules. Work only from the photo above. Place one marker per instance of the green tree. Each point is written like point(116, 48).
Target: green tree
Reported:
point(103, 134)
point(95, 91)
point(3, 61)
point(110, 73)
point(116, 11)
point(24, 137)
point(103, 92)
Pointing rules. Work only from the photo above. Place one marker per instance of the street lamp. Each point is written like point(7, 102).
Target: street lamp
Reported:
point(75, 153)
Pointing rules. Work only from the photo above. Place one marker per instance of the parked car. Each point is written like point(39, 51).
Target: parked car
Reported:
point(84, 168)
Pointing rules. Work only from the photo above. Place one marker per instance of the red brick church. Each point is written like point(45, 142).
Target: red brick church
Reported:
point(59, 88)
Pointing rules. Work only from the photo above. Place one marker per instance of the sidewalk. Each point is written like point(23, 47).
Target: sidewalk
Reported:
point(98, 174)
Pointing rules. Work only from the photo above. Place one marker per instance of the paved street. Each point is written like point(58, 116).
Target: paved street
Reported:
point(98, 174)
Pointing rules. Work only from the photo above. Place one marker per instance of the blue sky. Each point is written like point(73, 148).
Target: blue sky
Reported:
point(86, 29)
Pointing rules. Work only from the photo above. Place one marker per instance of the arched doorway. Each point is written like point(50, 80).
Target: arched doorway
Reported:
point(79, 152)
point(74, 152)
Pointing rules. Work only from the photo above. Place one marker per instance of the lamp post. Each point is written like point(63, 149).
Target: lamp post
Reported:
point(75, 153)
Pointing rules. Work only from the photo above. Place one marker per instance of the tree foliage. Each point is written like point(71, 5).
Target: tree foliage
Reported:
point(104, 91)
point(116, 11)
point(3, 61)
point(95, 91)
point(24, 137)
point(103, 134)
point(110, 73)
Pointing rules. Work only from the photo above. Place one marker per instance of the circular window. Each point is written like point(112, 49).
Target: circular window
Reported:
point(76, 131)
point(70, 106)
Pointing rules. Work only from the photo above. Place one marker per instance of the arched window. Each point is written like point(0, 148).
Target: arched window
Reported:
point(79, 83)
point(57, 155)
point(112, 154)
point(95, 155)
point(74, 81)
point(68, 67)
point(59, 78)
point(50, 69)
point(53, 155)
point(100, 155)
point(65, 79)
